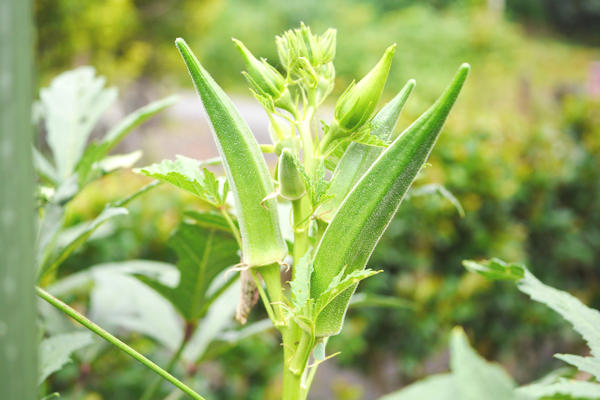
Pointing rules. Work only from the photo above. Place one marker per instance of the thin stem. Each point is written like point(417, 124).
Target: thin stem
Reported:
point(234, 229)
point(264, 298)
point(307, 140)
point(130, 198)
point(302, 210)
point(271, 275)
point(115, 342)
point(149, 392)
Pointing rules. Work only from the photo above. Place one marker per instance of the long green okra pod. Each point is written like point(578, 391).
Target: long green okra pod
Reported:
point(367, 210)
point(245, 168)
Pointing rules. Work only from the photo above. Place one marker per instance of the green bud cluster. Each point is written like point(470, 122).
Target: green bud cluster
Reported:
point(302, 44)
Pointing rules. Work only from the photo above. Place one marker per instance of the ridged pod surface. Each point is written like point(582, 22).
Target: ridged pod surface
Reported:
point(359, 157)
point(367, 210)
point(244, 166)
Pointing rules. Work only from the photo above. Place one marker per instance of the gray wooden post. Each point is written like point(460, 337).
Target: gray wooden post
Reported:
point(18, 342)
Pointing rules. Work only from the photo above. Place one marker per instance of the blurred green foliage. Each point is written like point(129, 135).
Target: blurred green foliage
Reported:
point(521, 153)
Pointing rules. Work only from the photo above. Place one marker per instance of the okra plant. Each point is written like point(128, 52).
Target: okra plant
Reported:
point(344, 178)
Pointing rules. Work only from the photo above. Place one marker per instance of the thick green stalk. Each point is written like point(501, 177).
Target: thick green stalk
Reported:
point(63, 307)
point(271, 275)
point(292, 381)
point(18, 338)
point(367, 210)
point(245, 167)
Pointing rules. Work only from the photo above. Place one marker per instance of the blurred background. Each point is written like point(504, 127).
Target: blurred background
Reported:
point(521, 152)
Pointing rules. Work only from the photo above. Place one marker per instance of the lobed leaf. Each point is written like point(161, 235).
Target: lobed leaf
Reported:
point(82, 236)
point(187, 174)
point(574, 389)
point(203, 254)
point(55, 351)
point(475, 378)
point(472, 378)
point(71, 107)
point(97, 151)
point(438, 387)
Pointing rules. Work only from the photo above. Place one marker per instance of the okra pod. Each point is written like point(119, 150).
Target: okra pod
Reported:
point(367, 210)
point(245, 167)
point(359, 157)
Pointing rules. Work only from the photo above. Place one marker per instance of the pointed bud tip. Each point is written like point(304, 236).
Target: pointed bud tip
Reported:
point(179, 42)
point(411, 83)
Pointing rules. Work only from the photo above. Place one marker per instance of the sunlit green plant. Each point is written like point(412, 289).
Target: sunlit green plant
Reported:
point(336, 221)
point(472, 377)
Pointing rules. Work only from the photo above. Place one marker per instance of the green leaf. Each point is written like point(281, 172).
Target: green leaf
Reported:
point(208, 220)
point(438, 387)
point(472, 378)
point(369, 207)
point(43, 167)
point(119, 301)
point(71, 107)
point(56, 351)
point(590, 365)
point(245, 167)
point(203, 253)
point(106, 215)
point(134, 119)
point(187, 174)
point(94, 154)
point(359, 157)
point(585, 320)
point(341, 284)
point(496, 269)
point(475, 378)
point(574, 389)
point(212, 326)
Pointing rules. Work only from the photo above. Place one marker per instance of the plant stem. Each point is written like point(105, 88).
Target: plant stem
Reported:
point(115, 342)
point(307, 140)
point(264, 298)
point(234, 229)
point(150, 390)
point(302, 210)
point(271, 274)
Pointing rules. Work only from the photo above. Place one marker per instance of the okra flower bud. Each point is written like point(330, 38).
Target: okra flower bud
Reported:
point(356, 105)
point(327, 46)
point(291, 184)
point(264, 79)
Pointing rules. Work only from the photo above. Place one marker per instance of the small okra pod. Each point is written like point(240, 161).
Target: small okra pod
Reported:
point(356, 105)
point(291, 184)
point(359, 157)
point(365, 213)
point(245, 167)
